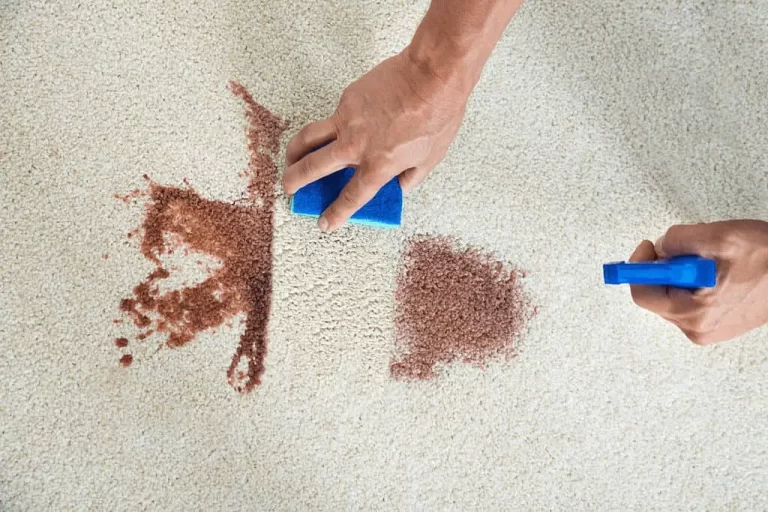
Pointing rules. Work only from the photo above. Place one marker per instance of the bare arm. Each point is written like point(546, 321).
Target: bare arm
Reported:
point(456, 37)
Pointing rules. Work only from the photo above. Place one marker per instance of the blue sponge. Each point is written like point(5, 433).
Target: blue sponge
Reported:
point(383, 211)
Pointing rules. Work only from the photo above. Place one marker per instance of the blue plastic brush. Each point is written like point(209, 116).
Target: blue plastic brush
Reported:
point(383, 211)
point(680, 272)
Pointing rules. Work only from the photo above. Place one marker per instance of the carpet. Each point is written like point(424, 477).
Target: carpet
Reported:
point(595, 125)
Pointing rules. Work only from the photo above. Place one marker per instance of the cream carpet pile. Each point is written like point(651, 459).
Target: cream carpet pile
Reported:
point(595, 125)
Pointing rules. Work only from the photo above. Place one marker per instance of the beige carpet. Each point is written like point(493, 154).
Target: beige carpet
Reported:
point(596, 124)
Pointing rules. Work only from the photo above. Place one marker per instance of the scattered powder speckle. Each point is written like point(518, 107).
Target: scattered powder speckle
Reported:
point(238, 235)
point(454, 304)
point(105, 256)
point(127, 198)
point(121, 342)
point(126, 360)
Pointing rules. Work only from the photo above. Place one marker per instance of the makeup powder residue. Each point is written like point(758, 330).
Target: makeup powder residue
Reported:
point(454, 304)
point(238, 235)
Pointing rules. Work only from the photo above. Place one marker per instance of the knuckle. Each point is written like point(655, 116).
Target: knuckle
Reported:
point(337, 124)
point(348, 197)
point(306, 165)
point(699, 338)
point(349, 98)
point(729, 244)
point(673, 233)
point(345, 97)
point(294, 143)
point(694, 337)
point(699, 328)
point(352, 141)
point(303, 136)
point(342, 150)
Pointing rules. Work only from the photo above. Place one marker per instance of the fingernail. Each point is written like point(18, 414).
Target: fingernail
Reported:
point(658, 245)
point(323, 224)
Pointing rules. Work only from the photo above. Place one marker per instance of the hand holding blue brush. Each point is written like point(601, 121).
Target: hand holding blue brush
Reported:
point(739, 301)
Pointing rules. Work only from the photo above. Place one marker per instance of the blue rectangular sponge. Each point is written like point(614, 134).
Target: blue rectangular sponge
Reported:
point(384, 210)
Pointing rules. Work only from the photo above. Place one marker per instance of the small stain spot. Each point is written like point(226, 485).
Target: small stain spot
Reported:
point(105, 256)
point(144, 335)
point(127, 198)
point(126, 360)
point(121, 342)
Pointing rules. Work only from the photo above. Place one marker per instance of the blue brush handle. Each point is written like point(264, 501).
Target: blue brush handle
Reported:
point(680, 272)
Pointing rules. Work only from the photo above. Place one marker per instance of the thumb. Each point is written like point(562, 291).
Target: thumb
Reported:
point(685, 239)
point(652, 298)
point(644, 252)
point(411, 178)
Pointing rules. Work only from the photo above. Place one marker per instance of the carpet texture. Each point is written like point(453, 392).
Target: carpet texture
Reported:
point(595, 125)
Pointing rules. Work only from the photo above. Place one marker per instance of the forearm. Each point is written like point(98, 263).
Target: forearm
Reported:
point(456, 37)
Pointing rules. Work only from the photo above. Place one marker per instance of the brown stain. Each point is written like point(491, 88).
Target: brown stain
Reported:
point(239, 235)
point(126, 360)
point(130, 196)
point(144, 335)
point(121, 342)
point(105, 256)
point(454, 304)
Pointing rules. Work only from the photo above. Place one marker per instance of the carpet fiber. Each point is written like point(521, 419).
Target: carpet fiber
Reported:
point(595, 125)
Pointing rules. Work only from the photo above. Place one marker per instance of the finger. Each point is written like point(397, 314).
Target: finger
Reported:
point(415, 176)
point(644, 252)
point(311, 136)
point(314, 166)
point(361, 188)
point(683, 300)
point(652, 298)
point(686, 239)
point(411, 178)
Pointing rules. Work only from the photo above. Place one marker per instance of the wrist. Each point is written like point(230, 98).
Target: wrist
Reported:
point(456, 38)
point(453, 61)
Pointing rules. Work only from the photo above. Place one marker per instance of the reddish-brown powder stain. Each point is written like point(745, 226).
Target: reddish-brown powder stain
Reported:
point(126, 360)
point(121, 342)
point(144, 335)
point(239, 235)
point(127, 198)
point(454, 304)
point(105, 256)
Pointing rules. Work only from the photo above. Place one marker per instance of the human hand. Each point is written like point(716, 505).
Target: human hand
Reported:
point(739, 301)
point(397, 120)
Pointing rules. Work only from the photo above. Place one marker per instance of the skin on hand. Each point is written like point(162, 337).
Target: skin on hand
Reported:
point(400, 118)
point(739, 301)
point(397, 120)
